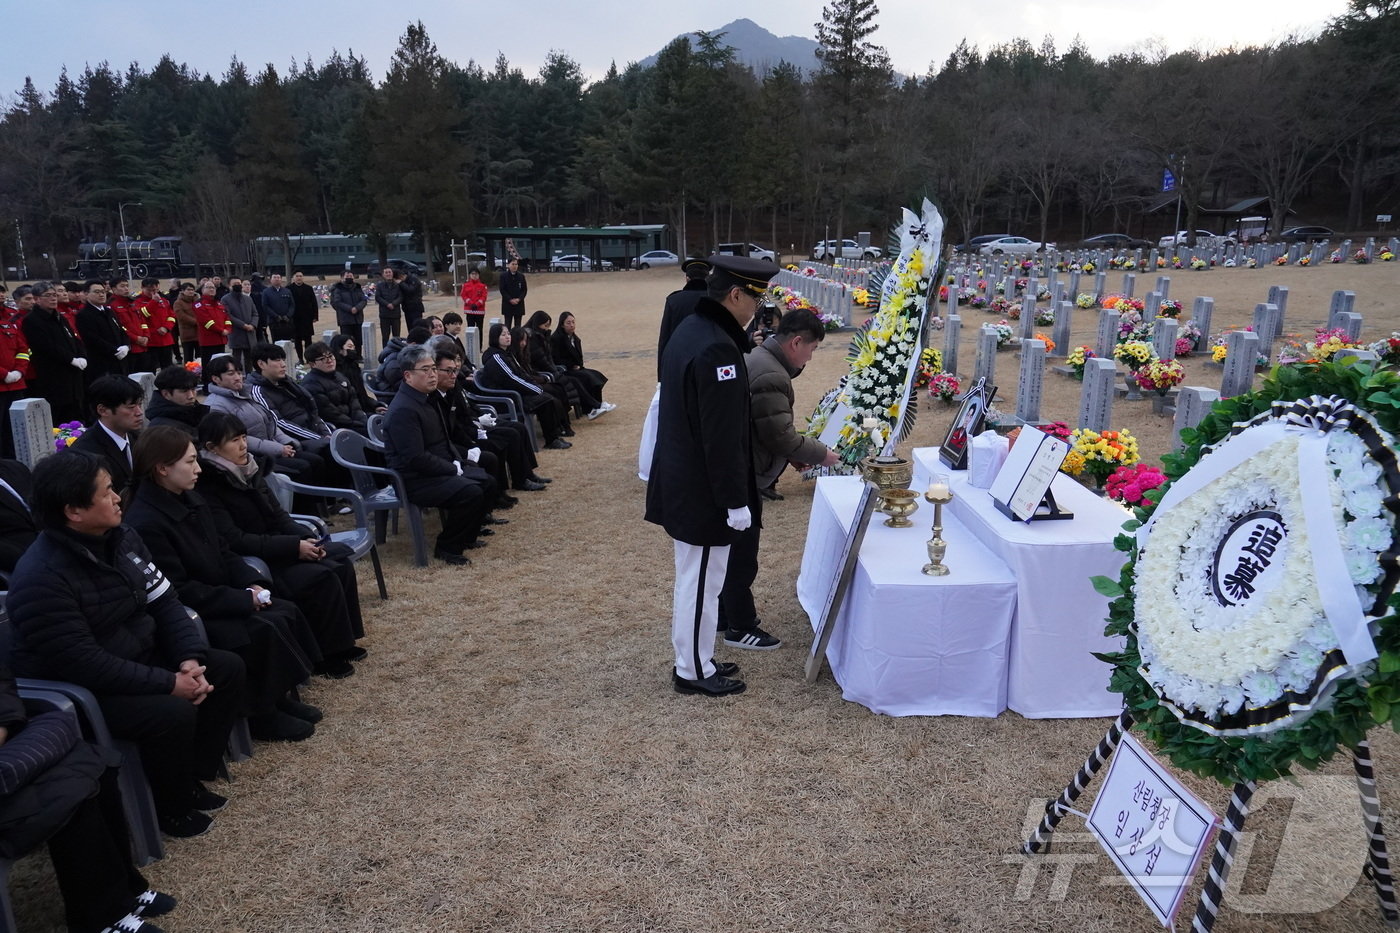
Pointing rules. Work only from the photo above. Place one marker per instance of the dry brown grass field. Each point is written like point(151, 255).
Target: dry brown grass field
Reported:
point(512, 757)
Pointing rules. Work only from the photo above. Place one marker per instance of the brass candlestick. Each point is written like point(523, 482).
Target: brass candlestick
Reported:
point(940, 495)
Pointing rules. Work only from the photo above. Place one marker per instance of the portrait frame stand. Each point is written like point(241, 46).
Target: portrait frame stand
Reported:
point(1212, 894)
point(1048, 511)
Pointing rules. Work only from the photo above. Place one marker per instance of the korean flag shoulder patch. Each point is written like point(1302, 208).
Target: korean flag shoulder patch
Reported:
point(725, 373)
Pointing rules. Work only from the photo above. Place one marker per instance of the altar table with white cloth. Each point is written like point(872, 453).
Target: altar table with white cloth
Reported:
point(906, 644)
point(1059, 616)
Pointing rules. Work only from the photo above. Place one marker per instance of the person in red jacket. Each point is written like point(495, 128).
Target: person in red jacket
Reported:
point(211, 318)
point(70, 302)
point(474, 300)
point(137, 334)
point(14, 368)
point(159, 319)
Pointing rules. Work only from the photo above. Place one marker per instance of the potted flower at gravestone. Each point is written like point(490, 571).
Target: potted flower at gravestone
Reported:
point(1387, 349)
point(1135, 354)
point(944, 387)
point(1004, 333)
point(1161, 376)
point(1078, 358)
point(1094, 455)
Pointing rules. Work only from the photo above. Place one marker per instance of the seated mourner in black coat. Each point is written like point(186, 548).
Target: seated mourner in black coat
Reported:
point(119, 420)
point(270, 634)
point(319, 578)
point(55, 787)
point(88, 605)
point(435, 473)
point(174, 402)
point(336, 399)
point(17, 526)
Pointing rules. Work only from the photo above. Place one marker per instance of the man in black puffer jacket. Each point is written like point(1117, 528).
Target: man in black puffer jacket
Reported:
point(174, 402)
point(336, 400)
point(89, 606)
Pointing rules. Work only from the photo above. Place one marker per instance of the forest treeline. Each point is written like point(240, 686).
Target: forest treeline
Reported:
point(1020, 137)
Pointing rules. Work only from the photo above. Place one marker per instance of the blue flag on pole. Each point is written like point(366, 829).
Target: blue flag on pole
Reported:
point(1168, 180)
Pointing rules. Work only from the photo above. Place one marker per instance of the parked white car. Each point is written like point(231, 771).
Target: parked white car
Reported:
point(576, 263)
point(752, 250)
point(657, 257)
point(1012, 245)
point(826, 251)
point(1204, 239)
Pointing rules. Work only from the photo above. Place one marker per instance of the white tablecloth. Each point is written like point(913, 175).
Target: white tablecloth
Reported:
point(907, 644)
point(1059, 616)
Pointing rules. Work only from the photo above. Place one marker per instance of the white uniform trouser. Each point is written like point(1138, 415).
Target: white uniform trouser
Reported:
point(695, 609)
point(648, 445)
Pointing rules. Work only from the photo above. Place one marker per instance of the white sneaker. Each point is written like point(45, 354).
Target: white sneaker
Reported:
point(608, 406)
point(594, 413)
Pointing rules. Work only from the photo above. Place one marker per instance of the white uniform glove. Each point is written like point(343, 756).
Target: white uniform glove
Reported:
point(122, 352)
point(487, 420)
point(79, 362)
point(474, 454)
point(739, 519)
point(458, 465)
point(481, 434)
point(13, 375)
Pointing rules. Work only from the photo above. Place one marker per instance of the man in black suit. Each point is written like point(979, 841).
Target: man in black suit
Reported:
point(119, 419)
point(17, 527)
point(436, 473)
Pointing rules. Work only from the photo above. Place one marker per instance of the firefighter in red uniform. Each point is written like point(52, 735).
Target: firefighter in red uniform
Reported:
point(159, 319)
point(14, 367)
point(70, 302)
point(211, 319)
point(137, 335)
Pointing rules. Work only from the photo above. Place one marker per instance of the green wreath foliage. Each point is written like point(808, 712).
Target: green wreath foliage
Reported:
point(1359, 703)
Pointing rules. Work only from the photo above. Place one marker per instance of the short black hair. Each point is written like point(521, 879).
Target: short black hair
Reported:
point(176, 377)
point(149, 280)
point(450, 318)
point(418, 334)
point(446, 350)
point(116, 280)
point(218, 427)
point(802, 321)
point(221, 364)
point(338, 343)
point(62, 480)
point(262, 352)
point(317, 350)
point(112, 392)
point(87, 286)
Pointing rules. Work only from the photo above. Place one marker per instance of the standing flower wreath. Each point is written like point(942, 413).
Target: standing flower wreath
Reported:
point(1242, 658)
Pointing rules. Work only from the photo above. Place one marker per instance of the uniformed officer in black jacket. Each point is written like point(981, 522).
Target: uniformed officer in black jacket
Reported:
point(701, 487)
point(679, 306)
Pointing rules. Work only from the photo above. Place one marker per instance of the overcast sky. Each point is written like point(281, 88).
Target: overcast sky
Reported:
point(206, 34)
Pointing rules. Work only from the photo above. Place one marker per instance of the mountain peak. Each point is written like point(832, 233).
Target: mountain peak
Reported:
point(758, 48)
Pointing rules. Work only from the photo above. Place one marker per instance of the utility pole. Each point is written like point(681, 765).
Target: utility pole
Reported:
point(125, 246)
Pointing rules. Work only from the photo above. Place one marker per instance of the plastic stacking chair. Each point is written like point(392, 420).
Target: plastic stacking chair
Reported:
point(146, 843)
point(360, 540)
point(375, 428)
point(517, 402)
point(349, 448)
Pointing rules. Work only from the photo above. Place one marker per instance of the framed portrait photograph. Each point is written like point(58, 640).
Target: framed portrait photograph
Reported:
point(967, 425)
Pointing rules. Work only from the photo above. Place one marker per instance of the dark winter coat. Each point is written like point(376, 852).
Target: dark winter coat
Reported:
point(249, 518)
point(680, 304)
point(349, 301)
point(335, 399)
point(102, 334)
point(775, 438)
point(52, 348)
point(417, 446)
point(512, 285)
point(294, 407)
point(17, 527)
point(185, 417)
point(97, 611)
point(702, 466)
point(99, 443)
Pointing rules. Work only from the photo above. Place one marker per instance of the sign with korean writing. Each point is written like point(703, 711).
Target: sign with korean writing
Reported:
point(1152, 828)
point(1168, 180)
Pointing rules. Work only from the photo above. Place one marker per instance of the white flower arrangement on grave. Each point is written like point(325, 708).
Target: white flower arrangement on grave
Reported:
point(882, 353)
point(1258, 602)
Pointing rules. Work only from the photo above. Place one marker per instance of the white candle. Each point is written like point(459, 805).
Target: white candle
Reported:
point(938, 491)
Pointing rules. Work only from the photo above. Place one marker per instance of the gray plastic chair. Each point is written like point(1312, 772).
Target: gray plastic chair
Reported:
point(360, 540)
point(349, 448)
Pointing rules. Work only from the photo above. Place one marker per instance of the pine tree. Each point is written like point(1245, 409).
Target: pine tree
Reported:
point(272, 165)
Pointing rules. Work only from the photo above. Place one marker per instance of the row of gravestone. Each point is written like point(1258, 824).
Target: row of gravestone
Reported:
point(1243, 350)
point(32, 419)
point(829, 296)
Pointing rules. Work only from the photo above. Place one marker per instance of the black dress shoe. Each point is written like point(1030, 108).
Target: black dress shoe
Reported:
point(726, 669)
point(558, 444)
point(205, 800)
point(186, 825)
point(507, 497)
point(502, 504)
point(474, 545)
point(771, 493)
point(715, 685)
point(280, 727)
point(334, 668)
point(530, 485)
point(486, 532)
point(493, 520)
point(353, 653)
point(537, 478)
point(567, 432)
point(456, 560)
point(303, 711)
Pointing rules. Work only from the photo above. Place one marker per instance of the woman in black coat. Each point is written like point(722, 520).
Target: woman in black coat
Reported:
point(318, 577)
point(502, 369)
point(239, 613)
point(568, 353)
point(542, 361)
point(347, 363)
point(336, 400)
